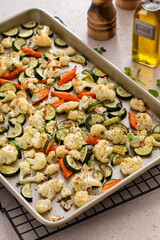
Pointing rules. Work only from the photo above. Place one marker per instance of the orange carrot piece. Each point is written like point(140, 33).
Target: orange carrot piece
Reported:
point(13, 74)
point(65, 95)
point(132, 120)
point(68, 76)
point(40, 95)
point(31, 52)
point(67, 173)
point(15, 83)
point(42, 81)
point(57, 103)
point(52, 148)
point(93, 140)
point(88, 94)
point(110, 184)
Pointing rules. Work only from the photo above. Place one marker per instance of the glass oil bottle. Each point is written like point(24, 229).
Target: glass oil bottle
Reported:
point(146, 33)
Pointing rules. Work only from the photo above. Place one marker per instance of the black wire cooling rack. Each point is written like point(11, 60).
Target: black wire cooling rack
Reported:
point(25, 225)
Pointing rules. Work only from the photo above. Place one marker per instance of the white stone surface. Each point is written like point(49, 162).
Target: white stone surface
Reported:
point(138, 219)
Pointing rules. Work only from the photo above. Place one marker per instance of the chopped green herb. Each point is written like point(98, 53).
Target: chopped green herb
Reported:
point(37, 107)
point(128, 71)
point(153, 92)
point(158, 82)
point(100, 50)
point(132, 138)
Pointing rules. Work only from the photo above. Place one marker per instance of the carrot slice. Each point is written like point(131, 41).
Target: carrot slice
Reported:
point(42, 81)
point(93, 140)
point(88, 94)
point(15, 83)
point(31, 52)
point(132, 120)
point(68, 76)
point(67, 173)
point(13, 74)
point(110, 184)
point(57, 103)
point(66, 96)
point(40, 95)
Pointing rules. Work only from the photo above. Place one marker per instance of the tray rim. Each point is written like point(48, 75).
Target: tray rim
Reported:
point(124, 181)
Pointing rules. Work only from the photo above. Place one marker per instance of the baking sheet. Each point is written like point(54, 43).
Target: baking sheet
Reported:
point(115, 75)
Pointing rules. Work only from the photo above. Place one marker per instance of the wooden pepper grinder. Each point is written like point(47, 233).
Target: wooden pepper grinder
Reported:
point(101, 19)
point(127, 4)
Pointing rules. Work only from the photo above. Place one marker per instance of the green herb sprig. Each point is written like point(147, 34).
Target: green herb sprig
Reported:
point(100, 50)
point(128, 72)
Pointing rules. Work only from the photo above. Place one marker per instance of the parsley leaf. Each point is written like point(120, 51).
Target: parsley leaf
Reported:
point(158, 82)
point(153, 92)
point(127, 70)
point(100, 50)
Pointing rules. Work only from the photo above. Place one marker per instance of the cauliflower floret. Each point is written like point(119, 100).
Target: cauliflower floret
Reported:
point(8, 96)
point(144, 121)
point(6, 108)
point(8, 154)
point(29, 154)
point(74, 140)
point(50, 156)
point(43, 63)
point(53, 69)
point(51, 169)
point(54, 99)
point(39, 177)
point(36, 120)
point(86, 101)
point(50, 81)
point(140, 138)
point(3, 140)
point(102, 150)
point(61, 151)
point(7, 42)
point(20, 105)
point(130, 165)
point(24, 142)
point(29, 83)
point(84, 181)
point(79, 83)
point(21, 94)
point(73, 115)
point(111, 85)
point(98, 130)
point(43, 205)
point(100, 110)
point(42, 39)
point(66, 107)
point(116, 135)
point(103, 93)
point(65, 193)
point(64, 61)
point(25, 60)
point(38, 162)
point(102, 81)
point(13, 60)
point(70, 51)
point(81, 198)
point(50, 126)
point(54, 218)
point(3, 67)
point(59, 54)
point(75, 154)
point(39, 139)
point(152, 140)
point(50, 188)
point(24, 170)
point(137, 104)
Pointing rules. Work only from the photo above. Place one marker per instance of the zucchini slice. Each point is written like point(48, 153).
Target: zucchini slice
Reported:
point(21, 77)
point(17, 131)
point(79, 59)
point(120, 125)
point(118, 158)
point(106, 170)
point(122, 94)
point(71, 164)
point(97, 72)
point(97, 174)
point(11, 33)
point(156, 136)
point(26, 34)
point(66, 124)
point(8, 86)
point(18, 43)
point(2, 119)
point(115, 106)
point(157, 129)
point(4, 129)
point(50, 112)
point(122, 114)
point(90, 75)
point(49, 142)
point(15, 144)
point(50, 126)
point(94, 105)
point(144, 151)
point(21, 119)
point(29, 72)
point(121, 149)
point(26, 192)
point(93, 119)
point(86, 152)
point(111, 121)
point(33, 62)
point(29, 25)
point(9, 171)
point(67, 87)
point(60, 43)
point(48, 56)
point(38, 72)
point(61, 134)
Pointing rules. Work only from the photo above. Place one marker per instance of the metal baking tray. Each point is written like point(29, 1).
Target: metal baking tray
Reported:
point(116, 76)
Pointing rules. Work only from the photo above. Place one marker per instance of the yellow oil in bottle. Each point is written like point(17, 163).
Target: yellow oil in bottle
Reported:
point(146, 33)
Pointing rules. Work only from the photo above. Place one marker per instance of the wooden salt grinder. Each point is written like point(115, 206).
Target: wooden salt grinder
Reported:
point(101, 19)
point(127, 4)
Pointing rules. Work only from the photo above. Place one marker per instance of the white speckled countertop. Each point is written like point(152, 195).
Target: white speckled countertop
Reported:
point(138, 219)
